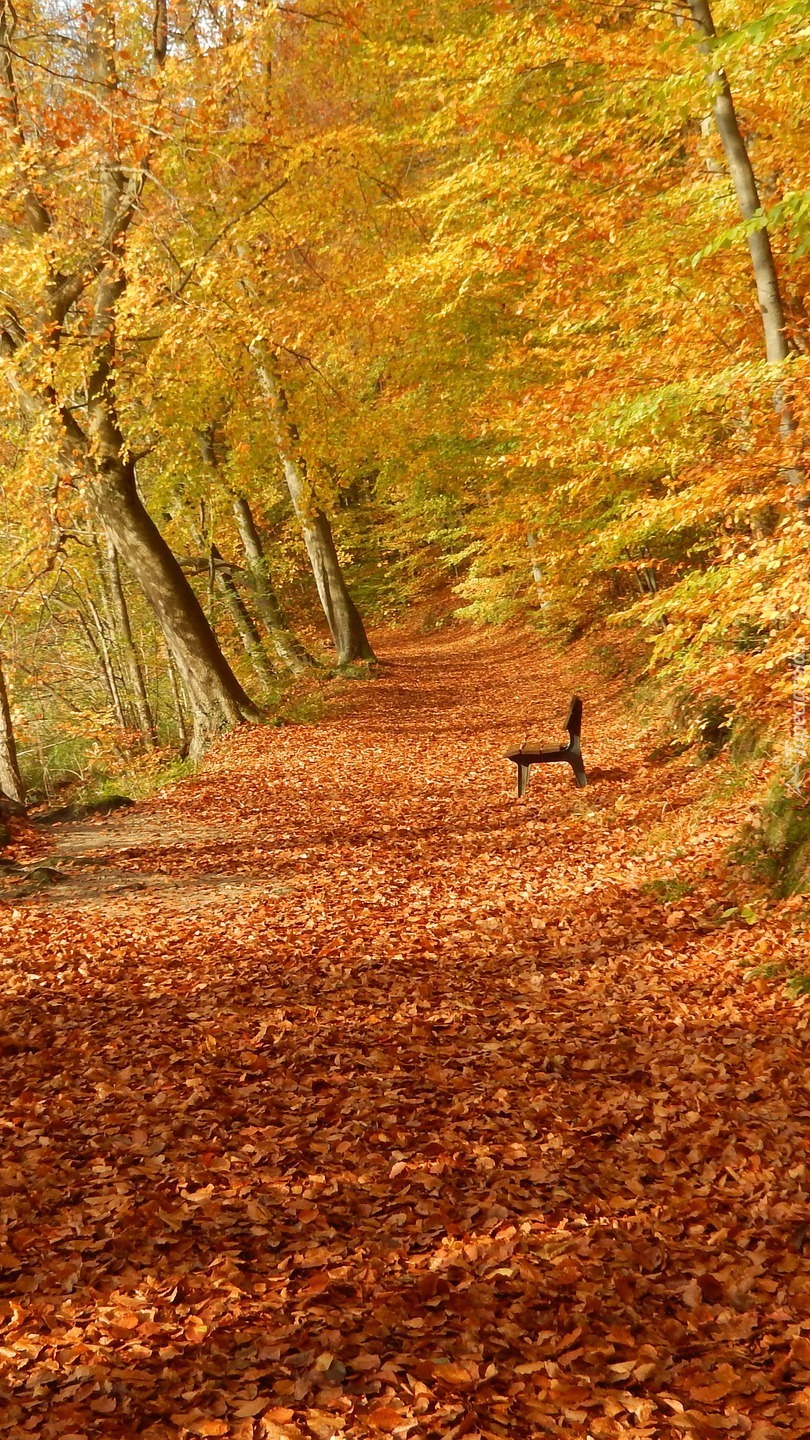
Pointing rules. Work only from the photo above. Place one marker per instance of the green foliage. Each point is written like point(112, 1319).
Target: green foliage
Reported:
point(776, 848)
point(75, 774)
point(666, 889)
point(306, 709)
point(62, 764)
point(703, 719)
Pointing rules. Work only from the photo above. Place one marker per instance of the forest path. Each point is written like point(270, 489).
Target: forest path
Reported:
point(393, 1106)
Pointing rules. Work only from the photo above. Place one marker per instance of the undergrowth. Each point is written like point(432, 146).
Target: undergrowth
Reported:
point(775, 848)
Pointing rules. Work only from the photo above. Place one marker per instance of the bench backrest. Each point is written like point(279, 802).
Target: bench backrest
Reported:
point(574, 722)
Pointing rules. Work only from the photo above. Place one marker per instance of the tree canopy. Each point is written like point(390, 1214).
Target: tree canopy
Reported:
point(440, 296)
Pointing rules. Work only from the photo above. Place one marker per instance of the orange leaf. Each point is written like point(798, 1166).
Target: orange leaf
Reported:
point(385, 1418)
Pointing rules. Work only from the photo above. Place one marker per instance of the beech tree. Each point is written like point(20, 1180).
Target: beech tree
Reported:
point(79, 300)
point(119, 611)
point(11, 783)
point(766, 279)
point(291, 653)
point(342, 615)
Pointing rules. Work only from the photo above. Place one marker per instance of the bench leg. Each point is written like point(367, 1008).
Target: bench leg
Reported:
point(579, 771)
point(523, 779)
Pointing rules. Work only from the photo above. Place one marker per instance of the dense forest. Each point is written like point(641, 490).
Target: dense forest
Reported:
point(312, 312)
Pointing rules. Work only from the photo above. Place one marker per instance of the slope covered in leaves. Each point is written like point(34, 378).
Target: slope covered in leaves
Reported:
point(369, 1101)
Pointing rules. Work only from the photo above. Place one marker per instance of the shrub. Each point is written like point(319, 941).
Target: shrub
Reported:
point(777, 847)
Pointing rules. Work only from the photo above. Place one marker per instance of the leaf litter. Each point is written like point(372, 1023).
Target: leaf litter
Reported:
point(454, 1127)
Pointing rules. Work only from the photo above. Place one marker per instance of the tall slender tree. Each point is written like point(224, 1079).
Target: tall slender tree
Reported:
point(292, 654)
point(746, 189)
point(342, 616)
point(10, 778)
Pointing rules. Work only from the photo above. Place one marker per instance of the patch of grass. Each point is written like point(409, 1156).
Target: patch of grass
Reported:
point(136, 778)
point(359, 670)
point(138, 781)
point(81, 768)
point(669, 837)
point(771, 971)
point(60, 765)
point(667, 889)
point(143, 781)
point(305, 709)
point(796, 982)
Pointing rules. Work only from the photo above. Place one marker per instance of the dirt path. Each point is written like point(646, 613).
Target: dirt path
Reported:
point(345, 1096)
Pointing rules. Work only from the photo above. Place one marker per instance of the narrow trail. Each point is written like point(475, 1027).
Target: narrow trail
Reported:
point(346, 1096)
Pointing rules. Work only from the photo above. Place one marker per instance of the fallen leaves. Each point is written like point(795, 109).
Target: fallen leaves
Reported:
point(199, 1425)
point(454, 1136)
point(385, 1418)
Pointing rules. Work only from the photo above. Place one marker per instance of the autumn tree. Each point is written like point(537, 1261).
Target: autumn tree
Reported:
point(59, 336)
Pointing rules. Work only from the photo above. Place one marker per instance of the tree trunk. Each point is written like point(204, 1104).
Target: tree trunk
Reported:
point(291, 654)
point(744, 180)
point(342, 615)
point(289, 650)
point(10, 779)
point(120, 615)
point(242, 619)
point(537, 569)
point(177, 700)
point(110, 677)
point(93, 647)
point(104, 621)
point(216, 699)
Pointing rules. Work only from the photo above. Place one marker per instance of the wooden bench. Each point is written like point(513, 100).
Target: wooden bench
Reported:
point(532, 754)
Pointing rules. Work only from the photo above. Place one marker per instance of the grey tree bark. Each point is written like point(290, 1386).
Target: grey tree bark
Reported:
point(241, 617)
point(10, 779)
point(342, 615)
point(291, 654)
point(288, 648)
point(177, 701)
point(107, 667)
point(216, 699)
point(743, 177)
point(126, 642)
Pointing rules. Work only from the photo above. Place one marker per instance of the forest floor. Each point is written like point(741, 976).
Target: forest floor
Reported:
point(346, 1096)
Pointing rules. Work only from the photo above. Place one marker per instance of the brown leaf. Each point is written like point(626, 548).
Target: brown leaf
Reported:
point(271, 1430)
point(385, 1418)
point(452, 1374)
point(198, 1424)
point(692, 1295)
point(252, 1407)
point(323, 1425)
point(104, 1405)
